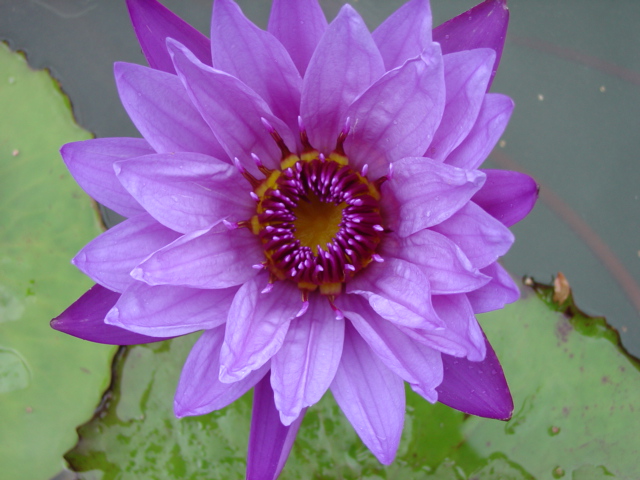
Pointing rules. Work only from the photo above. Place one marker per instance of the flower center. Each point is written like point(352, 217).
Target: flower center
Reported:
point(318, 220)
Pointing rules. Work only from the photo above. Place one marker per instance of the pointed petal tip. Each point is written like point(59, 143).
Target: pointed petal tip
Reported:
point(288, 419)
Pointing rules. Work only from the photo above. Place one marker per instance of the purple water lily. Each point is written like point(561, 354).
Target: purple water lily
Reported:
point(308, 196)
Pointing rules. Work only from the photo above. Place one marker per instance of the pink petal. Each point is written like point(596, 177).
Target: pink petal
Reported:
point(344, 64)
point(187, 191)
point(91, 165)
point(492, 120)
point(495, 294)
point(508, 196)
point(256, 326)
point(168, 311)
point(153, 24)
point(233, 111)
point(160, 108)
point(425, 192)
point(213, 258)
point(298, 25)
point(485, 25)
point(404, 34)
point(305, 365)
point(398, 115)
point(199, 389)
point(85, 319)
point(109, 258)
point(256, 58)
point(269, 440)
point(399, 292)
point(439, 259)
point(414, 362)
point(482, 238)
point(371, 397)
point(476, 388)
point(466, 76)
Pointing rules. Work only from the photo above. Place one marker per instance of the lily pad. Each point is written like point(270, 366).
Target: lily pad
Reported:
point(49, 382)
point(577, 394)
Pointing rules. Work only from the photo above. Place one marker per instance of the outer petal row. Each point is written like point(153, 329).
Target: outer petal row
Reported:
point(405, 34)
point(199, 390)
point(91, 165)
point(305, 365)
point(256, 58)
point(371, 397)
point(109, 258)
point(160, 108)
point(485, 25)
point(232, 110)
point(398, 115)
point(168, 311)
point(153, 24)
point(425, 193)
point(85, 319)
point(256, 326)
point(299, 26)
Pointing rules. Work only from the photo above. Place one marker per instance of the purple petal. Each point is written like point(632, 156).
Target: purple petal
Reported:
point(492, 120)
point(466, 76)
point(495, 294)
point(439, 259)
point(398, 115)
point(305, 365)
point(160, 108)
point(485, 25)
point(482, 238)
point(457, 313)
point(153, 23)
point(85, 319)
point(414, 362)
point(91, 165)
point(506, 195)
point(109, 258)
point(168, 311)
point(298, 25)
point(199, 389)
point(343, 66)
point(399, 292)
point(476, 388)
point(256, 326)
point(232, 110)
point(187, 191)
point(213, 258)
point(462, 336)
point(426, 192)
point(269, 440)
point(371, 397)
point(256, 58)
point(404, 34)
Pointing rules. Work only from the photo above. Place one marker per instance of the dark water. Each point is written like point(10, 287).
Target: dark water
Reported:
point(573, 68)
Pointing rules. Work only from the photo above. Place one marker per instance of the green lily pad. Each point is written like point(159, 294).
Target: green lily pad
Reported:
point(576, 391)
point(49, 382)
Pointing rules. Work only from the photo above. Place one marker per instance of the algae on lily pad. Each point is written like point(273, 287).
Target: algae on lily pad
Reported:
point(577, 394)
point(49, 382)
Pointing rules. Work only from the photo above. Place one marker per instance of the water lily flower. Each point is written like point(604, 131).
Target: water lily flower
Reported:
point(310, 198)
